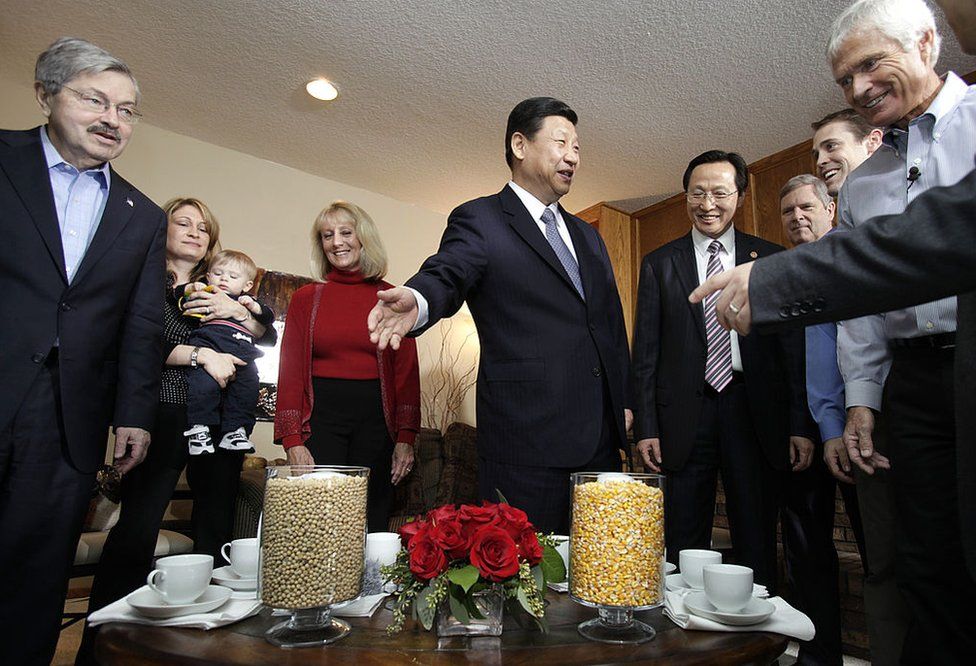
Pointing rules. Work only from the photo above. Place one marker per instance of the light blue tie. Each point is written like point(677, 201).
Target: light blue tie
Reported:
point(562, 252)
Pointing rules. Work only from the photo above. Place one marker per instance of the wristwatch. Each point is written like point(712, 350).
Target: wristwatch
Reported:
point(193, 357)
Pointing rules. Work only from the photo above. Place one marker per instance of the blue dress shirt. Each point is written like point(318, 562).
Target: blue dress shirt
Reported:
point(79, 199)
point(825, 386)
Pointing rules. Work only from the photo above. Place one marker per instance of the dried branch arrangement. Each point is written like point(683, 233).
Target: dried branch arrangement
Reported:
point(448, 381)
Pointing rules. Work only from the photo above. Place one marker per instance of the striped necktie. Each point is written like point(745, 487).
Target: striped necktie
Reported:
point(718, 365)
point(562, 252)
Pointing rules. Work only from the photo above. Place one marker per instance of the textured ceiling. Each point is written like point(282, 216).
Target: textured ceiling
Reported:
point(426, 86)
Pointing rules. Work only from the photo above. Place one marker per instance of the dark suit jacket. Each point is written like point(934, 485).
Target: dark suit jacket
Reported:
point(544, 351)
point(669, 360)
point(895, 261)
point(108, 322)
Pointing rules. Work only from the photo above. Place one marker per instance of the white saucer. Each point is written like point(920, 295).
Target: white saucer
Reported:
point(670, 568)
point(150, 604)
point(755, 611)
point(676, 581)
point(228, 578)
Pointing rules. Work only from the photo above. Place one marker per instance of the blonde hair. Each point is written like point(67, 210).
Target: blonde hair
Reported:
point(213, 230)
point(235, 258)
point(372, 260)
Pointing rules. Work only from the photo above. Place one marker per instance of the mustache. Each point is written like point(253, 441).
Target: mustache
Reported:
point(102, 128)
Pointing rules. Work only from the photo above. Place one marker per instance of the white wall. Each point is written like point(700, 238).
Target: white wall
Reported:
point(264, 208)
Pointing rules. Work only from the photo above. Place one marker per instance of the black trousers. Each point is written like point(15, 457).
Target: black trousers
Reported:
point(812, 571)
point(544, 492)
point(43, 500)
point(214, 480)
point(127, 557)
point(348, 428)
point(232, 407)
point(725, 440)
point(930, 564)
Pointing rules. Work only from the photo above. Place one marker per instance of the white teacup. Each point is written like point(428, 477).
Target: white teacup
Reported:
point(243, 556)
point(181, 579)
point(382, 547)
point(562, 547)
point(691, 561)
point(728, 587)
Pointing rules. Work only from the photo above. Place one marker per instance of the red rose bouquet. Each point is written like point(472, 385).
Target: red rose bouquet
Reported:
point(455, 552)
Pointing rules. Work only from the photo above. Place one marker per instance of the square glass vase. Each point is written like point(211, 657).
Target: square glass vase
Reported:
point(490, 603)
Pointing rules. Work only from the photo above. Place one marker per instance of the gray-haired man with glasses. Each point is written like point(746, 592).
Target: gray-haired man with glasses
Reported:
point(83, 276)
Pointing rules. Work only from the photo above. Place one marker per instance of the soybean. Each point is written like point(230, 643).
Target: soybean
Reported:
point(313, 535)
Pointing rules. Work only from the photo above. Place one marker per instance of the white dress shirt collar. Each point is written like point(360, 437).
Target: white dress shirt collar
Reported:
point(727, 239)
point(532, 204)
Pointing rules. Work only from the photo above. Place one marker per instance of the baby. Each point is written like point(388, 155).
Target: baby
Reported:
point(231, 410)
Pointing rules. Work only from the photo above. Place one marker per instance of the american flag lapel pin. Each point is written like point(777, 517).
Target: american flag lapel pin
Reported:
point(129, 201)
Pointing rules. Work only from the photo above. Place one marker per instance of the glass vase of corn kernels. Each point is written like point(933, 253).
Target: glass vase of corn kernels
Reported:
point(616, 552)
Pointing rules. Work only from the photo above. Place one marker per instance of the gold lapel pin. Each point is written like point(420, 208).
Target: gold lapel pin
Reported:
point(753, 254)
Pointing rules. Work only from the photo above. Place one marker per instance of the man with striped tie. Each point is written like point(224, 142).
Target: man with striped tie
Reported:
point(707, 400)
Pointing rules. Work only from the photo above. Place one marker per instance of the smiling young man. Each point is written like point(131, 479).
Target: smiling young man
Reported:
point(708, 401)
point(82, 263)
point(841, 142)
point(553, 378)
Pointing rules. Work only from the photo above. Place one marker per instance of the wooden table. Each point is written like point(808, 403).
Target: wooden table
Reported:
point(243, 643)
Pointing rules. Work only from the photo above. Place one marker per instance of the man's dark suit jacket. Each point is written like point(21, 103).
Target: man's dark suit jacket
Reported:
point(107, 322)
point(544, 351)
point(669, 360)
point(895, 261)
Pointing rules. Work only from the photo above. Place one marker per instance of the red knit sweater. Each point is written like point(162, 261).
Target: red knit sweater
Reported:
point(326, 336)
point(340, 344)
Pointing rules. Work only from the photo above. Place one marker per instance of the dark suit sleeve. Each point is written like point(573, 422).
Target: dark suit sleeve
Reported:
point(647, 336)
point(445, 278)
point(793, 349)
point(141, 345)
point(894, 261)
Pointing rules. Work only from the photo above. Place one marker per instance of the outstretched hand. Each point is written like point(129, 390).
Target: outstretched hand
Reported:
point(392, 317)
point(732, 308)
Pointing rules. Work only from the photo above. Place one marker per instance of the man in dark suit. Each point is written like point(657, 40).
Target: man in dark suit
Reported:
point(82, 280)
point(708, 401)
point(553, 377)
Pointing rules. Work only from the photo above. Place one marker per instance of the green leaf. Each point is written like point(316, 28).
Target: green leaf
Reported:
point(552, 565)
point(458, 609)
point(472, 607)
point(425, 613)
point(501, 498)
point(464, 577)
point(524, 601)
point(540, 578)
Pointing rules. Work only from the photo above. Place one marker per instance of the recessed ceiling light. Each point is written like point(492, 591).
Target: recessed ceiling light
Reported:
point(322, 89)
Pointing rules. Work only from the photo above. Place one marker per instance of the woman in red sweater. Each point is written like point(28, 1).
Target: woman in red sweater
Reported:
point(340, 401)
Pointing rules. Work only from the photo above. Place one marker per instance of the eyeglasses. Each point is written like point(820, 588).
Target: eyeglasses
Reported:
point(95, 103)
point(716, 197)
